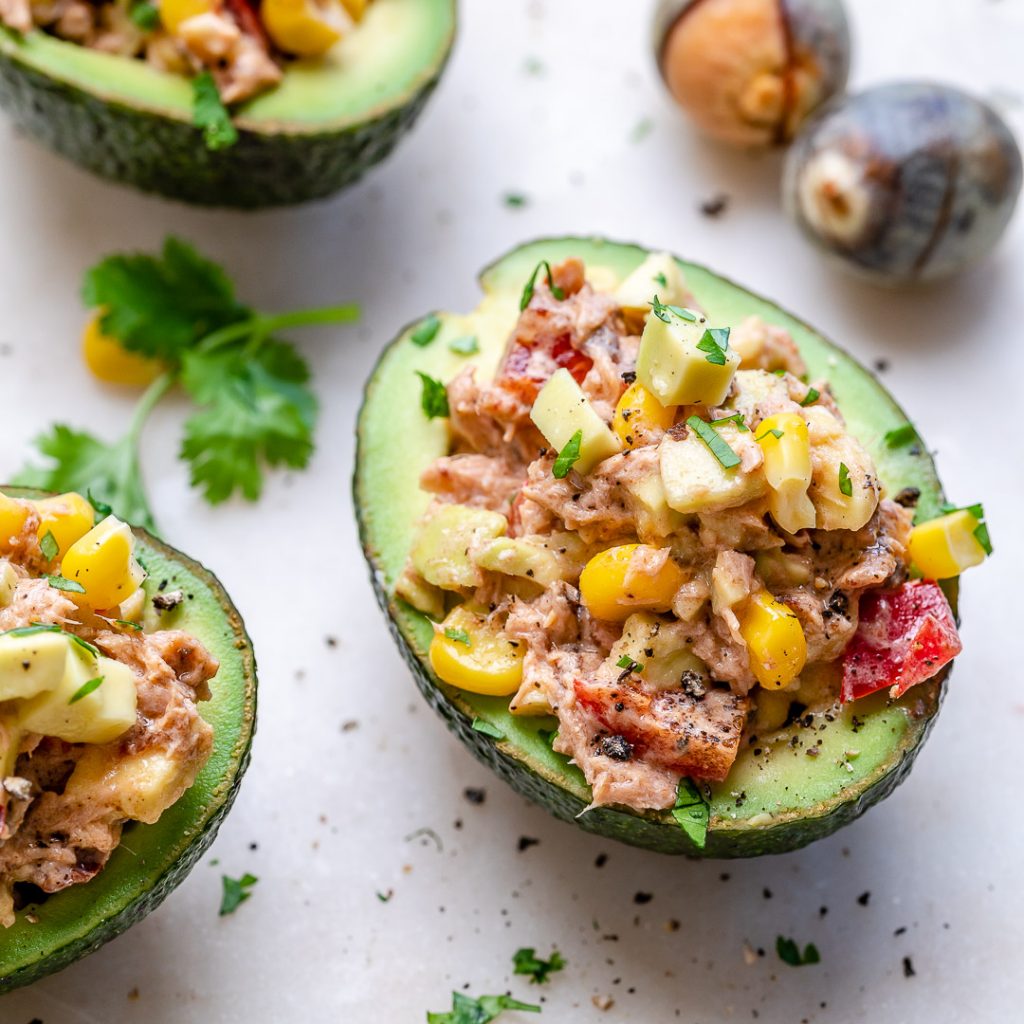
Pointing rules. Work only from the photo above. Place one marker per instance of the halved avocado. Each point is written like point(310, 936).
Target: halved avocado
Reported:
point(776, 798)
point(328, 121)
point(152, 859)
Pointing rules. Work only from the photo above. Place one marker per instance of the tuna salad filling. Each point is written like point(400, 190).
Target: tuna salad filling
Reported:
point(654, 528)
point(99, 725)
point(243, 45)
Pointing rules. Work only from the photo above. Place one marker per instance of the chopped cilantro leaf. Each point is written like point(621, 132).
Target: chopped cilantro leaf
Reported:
point(145, 15)
point(719, 447)
point(85, 689)
point(899, 436)
point(210, 115)
point(49, 546)
point(236, 892)
point(980, 532)
point(774, 431)
point(692, 812)
point(715, 342)
point(660, 279)
point(789, 952)
point(665, 313)
point(481, 725)
point(458, 636)
point(467, 345)
point(813, 394)
point(134, 626)
point(568, 456)
point(629, 664)
point(101, 508)
point(69, 586)
point(845, 483)
point(736, 417)
point(467, 1010)
point(45, 627)
point(528, 288)
point(426, 331)
point(434, 397)
point(525, 961)
point(515, 200)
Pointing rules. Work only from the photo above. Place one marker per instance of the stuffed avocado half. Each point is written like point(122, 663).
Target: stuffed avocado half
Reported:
point(801, 776)
point(317, 130)
point(97, 894)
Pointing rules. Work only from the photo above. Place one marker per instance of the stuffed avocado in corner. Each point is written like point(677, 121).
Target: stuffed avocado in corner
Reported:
point(113, 779)
point(666, 561)
point(224, 102)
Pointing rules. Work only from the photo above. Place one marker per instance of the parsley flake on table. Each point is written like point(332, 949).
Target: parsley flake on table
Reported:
point(210, 115)
point(482, 1010)
point(568, 456)
point(692, 812)
point(525, 961)
point(255, 407)
point(236, 892)
point(434, 397)
point(789, 952)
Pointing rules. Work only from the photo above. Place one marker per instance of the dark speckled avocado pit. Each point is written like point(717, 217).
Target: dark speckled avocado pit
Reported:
point(776, 797)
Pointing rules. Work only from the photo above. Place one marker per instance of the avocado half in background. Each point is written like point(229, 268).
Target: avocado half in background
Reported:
point(329, 121)
point(790, 800)
point(152, 860)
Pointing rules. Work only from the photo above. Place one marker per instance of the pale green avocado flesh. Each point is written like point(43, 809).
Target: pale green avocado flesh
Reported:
point(328, 121)
point(153, 859)
point(776, 798)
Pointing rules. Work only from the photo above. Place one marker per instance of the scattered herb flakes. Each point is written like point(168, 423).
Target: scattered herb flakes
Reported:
point(515, 200)
point(845, 483)
point(715, 343)
point(813, 394)
point(665, 312)
point(469, 1010)
point(719, 447)
point(528, 288)
point(236, 892)
point(481, 725)
point(458, 636)
point(525, 961)
point(899, 436)
point(641, 130)
point(69, 586)
point(49, 546)
point(434, 397)
point(426, 331)
point(568, 456)
point(660, 279)
point(627, 663)
point(210, 115)
point(789, 952)
point(692, 812)
point(467, 345)
point(85, 689)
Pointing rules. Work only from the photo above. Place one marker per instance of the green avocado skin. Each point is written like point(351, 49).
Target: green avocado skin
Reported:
point(167, 156)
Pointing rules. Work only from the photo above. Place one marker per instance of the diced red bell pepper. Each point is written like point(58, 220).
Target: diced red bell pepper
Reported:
point(527, 367)
point(904, 637)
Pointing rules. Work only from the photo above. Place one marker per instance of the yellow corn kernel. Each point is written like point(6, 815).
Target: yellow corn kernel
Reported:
point(614, 583)
point(103, 561)
point(308, 28)
point(109, 361)
point(13, 514)
point(174, 12)
point(775, 641)
point(69, 517)
point(640, 418)
point(355, 8)
point(470, 653)
point(787, 468)
point(944, 547)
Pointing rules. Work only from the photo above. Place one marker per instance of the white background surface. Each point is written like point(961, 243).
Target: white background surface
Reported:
point(330, 809)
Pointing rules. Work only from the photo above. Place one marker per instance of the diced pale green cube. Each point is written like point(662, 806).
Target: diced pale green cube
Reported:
point(8, 581)
point(423, 596)
point(660, 646)
point(659, 275)
point(677, 372)
point(562, 409)
point(441, 554)
point(654, 516)
point(31, 664)
point(515, 556)
point(694, 479)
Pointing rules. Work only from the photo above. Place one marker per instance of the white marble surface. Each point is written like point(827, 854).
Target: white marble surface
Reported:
point(330, 809)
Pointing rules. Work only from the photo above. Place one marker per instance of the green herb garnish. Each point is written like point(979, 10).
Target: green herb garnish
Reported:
point(101, 508)
point(85, 689)
point(236, 892)
point(692, 812)
point(459, 636)
point(434, 397)
point(128, 625)
point(481, 725)
point(467, 1010)
point(69, 586)
point(789, 952)
point(426, 331)
point(719, 448)
point(145, 15)
point(845, 483)
point(715, 342)
point(629, 664)
point(813, 394)
point(515, 200)
point(255, 407)
point(774, 431)
point(210, 114)
point(736, 417)
point(468, 345)
point(665, 313)
point(899, 436)
point(980, 532)
point(525, 961)
point(524, 301)
point(49, 546)
point(660, 278)
point(46, 627)
point(568, 456)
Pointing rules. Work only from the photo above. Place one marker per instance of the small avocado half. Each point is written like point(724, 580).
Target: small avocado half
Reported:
point(152, 859)
point(327, 123)
point(776, 797)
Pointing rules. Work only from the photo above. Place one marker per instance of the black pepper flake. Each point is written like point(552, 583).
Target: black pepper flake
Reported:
point(822, 911)
point(908, 967)
point(618, 748)
point(600, 860)
point(475, 795)
point(864, 898)
point(629, 376)
point(766, 893)
point(331, 641)
point(881, 365)
point(525, 842)
point(715, 206)
point(643, 897)
point(902, 930)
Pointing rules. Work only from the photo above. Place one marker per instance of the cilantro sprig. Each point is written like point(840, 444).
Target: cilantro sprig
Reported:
point(538, 970)
point(235, 891)
point(210, 115)
point(789, 952)
point(719, 446)
point(531, 284)
point(254, 405)
point(692, 812)
point(568, 456)
point(714, 342)
point(467, 1010)
point(665, 312)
